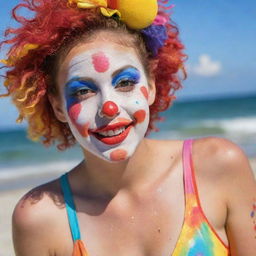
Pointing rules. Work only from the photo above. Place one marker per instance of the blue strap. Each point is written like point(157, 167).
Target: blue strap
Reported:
point(70, 207)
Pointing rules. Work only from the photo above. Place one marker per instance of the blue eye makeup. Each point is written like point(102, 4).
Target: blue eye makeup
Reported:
point(131, 74)
point(76, 86)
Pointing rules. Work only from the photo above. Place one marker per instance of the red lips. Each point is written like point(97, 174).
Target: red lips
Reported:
point(113, 139)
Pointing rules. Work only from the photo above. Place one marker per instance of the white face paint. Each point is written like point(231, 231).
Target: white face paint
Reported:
point(106, 99)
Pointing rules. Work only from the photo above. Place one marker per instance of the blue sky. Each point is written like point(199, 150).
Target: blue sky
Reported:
point(219, 37)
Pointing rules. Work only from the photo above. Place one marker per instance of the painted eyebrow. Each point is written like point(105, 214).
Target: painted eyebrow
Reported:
point(83, 80)
point(134, 72)
point(122, 69)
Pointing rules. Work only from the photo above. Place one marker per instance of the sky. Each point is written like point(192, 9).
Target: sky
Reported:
point(219, 38)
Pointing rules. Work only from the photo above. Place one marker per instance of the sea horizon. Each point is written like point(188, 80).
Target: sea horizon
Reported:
point(231, 118)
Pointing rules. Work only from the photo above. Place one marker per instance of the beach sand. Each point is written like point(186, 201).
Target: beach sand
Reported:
point(8, 200)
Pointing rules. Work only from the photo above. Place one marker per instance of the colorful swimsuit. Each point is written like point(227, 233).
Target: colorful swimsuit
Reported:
point(197, 237)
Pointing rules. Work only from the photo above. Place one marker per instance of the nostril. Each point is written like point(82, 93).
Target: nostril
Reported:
point(109, 109)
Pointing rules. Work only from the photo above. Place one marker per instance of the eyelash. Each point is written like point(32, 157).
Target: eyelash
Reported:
point(120, 87)
point(82, 96)
point(126, 88)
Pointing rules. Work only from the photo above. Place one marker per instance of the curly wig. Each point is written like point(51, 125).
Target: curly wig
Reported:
point(37, 45)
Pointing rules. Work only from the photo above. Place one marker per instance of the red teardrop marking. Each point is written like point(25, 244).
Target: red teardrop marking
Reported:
point(109, 109)
point(74, 111)
point(100, 62)
point(112, 4)
point(140, 116)
point(144, 91)
point(83, 129)
point(118, 155)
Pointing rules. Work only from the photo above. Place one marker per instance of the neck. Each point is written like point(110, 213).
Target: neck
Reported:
point(104, 178)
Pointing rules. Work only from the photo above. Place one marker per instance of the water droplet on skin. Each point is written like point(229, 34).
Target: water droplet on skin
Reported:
point(111, 228)
point(159, 190)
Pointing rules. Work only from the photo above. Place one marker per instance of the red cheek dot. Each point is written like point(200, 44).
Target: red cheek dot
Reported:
point(74, 112)
point(140, 116)
point(83, 129)
point(118, 155)
point(144, 91)
point(100, 62)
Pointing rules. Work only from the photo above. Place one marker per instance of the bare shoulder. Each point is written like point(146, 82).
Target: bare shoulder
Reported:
point(221, 157)
point(33, 219)
point(223, 164)
point(225, 168)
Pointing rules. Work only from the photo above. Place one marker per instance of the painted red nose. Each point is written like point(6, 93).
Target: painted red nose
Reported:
point(109, 109)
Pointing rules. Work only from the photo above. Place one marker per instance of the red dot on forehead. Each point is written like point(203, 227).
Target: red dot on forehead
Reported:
point(100, 62)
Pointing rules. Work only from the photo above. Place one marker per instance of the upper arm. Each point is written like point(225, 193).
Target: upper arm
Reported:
point(29, 227)
point(240, 195)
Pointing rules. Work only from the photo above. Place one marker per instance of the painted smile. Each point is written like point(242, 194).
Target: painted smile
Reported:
point(114, 133)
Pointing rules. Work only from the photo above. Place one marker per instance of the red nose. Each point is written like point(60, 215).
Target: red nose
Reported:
point(109, 109)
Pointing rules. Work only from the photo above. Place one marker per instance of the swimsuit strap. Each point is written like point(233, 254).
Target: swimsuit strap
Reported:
point(70, 207)
point(188, 165)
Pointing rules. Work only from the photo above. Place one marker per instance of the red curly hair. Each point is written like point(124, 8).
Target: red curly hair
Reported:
point(39, 43)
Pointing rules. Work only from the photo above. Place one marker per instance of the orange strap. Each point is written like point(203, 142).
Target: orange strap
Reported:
point(79, 249)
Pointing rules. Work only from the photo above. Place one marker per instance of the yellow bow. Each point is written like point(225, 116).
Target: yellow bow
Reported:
point(136, 14)
point(102, 4)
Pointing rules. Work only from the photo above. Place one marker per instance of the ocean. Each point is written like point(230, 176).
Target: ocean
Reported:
point(23, 161)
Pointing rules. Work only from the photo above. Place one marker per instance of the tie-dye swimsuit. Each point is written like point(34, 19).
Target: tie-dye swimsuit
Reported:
point(197, 237)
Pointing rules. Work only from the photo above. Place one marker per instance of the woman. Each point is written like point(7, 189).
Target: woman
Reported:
point(98, 73)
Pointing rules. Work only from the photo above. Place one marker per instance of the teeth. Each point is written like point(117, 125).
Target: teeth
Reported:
point(111, 133)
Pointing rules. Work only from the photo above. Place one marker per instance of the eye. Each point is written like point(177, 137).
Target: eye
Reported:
point(125, 85)
point(83, 94)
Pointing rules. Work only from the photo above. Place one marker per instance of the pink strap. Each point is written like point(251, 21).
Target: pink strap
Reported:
point(187, 166)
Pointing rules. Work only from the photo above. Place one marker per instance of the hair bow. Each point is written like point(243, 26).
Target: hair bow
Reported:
point(136, 14)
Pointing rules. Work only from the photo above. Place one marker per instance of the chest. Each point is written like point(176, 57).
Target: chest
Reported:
point(149, 228)
point(145, 224)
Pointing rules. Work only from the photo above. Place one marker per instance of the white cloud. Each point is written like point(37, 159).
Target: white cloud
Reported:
point(206, 66)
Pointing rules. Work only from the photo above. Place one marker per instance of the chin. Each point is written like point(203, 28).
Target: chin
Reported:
point(114, 153)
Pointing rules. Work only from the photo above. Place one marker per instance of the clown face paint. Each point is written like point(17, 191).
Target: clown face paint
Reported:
point(106, 99)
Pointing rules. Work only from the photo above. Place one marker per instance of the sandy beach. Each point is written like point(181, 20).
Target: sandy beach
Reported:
point(8, 200)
